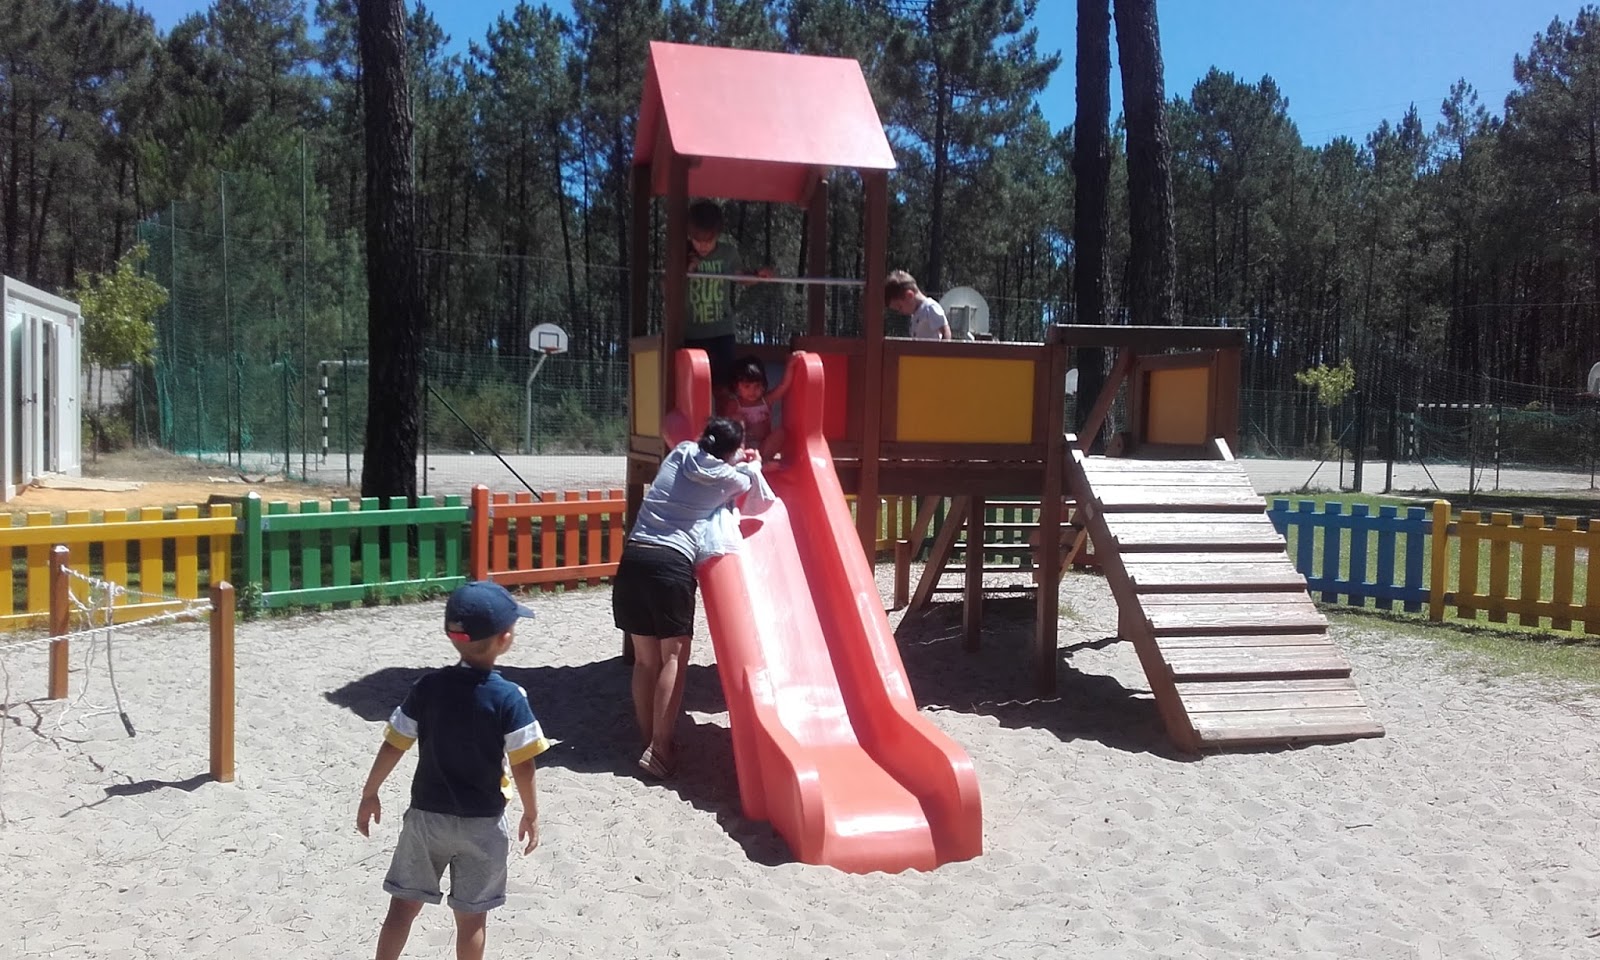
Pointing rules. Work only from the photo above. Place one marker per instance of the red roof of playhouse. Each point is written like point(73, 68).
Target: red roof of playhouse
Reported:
point(758, 123)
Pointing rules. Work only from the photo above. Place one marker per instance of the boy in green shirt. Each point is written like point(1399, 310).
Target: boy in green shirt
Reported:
point(709, 323)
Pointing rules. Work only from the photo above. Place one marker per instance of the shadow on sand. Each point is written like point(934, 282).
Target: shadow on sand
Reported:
point(998, 681)
point(588, 710)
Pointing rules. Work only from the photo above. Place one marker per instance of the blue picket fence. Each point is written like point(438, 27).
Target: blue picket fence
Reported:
point(1359, 556)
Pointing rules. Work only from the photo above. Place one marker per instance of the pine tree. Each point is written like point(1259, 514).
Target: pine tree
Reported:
point(395, 319)
point(961, 78)
point(1091, 170)
point(1153, 266)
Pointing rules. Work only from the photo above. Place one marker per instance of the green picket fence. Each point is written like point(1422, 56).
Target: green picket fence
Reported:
point(352, 551)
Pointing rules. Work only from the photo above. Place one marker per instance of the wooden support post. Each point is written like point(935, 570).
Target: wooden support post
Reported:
point(902, 573)
point(972, 600)
point(675, 288)
point(1047, 597)
point(817, 260)
point(222, 692)
point(875, 241)
point(60, 621)
point(907, 549)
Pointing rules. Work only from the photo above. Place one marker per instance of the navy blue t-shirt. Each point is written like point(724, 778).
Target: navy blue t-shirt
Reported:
point(470, 723)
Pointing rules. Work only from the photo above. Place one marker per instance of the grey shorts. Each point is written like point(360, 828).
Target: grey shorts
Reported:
point(473, 848)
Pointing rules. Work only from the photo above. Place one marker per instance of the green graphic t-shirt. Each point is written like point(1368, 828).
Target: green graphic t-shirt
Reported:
point(711, 301)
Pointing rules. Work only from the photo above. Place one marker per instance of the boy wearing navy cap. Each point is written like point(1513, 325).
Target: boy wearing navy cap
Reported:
point(471, 723)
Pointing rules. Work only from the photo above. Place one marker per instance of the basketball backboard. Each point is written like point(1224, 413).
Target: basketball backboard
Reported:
point(547, 338)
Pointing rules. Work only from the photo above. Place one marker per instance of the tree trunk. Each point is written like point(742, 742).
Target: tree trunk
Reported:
point(933, 282)
point(1153, 253)
point(564, 214)
point(1091, 169)
point(394, 294)
point(35, 272)
point(1594, 234)
point(13, 210)
point(122, 205)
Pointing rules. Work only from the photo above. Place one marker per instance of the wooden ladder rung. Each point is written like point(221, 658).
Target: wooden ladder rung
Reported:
point(1277, 726)
point(1201, 572)
point(1241, 614)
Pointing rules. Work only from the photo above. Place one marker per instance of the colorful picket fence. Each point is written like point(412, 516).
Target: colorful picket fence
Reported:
point(1527, 567)
point(151, 552)
point(351, 550)
point(1498, 567)
point(896, 515)
point(1355, 557)
point(566, 540)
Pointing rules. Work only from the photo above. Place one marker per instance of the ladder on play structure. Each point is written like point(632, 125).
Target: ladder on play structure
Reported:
point(1235, 651)
point(1007, 543)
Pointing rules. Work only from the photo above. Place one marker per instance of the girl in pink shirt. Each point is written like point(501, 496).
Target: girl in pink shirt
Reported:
point(751, 404)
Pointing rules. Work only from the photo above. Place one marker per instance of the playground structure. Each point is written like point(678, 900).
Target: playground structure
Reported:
point(1235, 651)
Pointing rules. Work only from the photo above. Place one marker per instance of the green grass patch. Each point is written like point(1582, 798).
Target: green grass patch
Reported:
point(1536, 503)
point(1518, 557)
point(1505, 651)
point(1371, 500)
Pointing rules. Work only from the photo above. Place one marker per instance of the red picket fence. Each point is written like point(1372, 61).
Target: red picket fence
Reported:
point(566, 540)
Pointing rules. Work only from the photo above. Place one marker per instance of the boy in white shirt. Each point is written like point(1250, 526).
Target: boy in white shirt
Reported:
point(901, 294)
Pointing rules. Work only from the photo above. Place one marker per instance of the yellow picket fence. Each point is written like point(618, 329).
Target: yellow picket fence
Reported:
point(896, 514)
point(129, 548)
point(1532, 571)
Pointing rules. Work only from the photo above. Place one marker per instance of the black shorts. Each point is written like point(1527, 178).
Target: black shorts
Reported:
point(720, 355)
point(653, 593)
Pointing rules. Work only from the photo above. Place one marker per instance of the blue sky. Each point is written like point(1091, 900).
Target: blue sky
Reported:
point(1343, 64)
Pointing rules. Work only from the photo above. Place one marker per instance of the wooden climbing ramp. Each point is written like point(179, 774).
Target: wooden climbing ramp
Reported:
point(1235, 651)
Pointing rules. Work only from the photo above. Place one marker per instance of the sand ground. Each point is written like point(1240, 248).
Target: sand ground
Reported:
point(1470, 831)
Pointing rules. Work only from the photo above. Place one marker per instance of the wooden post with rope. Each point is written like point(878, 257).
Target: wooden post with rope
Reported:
point(60, 621)
point(222, 658)
point(222, 693)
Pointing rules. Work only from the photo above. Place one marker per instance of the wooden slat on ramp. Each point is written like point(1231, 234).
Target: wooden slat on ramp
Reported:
point(1235, 650)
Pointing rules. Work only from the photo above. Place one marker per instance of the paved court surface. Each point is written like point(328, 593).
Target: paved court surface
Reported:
point(457, 473)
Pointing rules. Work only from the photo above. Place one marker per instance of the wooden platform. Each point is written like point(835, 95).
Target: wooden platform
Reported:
point(1236, 652)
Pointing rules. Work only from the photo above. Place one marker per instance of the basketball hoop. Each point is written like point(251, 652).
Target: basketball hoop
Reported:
point(547, 340)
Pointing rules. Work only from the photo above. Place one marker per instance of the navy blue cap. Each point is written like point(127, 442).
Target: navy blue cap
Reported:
point(480, 610)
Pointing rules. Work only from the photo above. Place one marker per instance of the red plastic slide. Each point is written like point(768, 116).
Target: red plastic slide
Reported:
point(827, 740)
